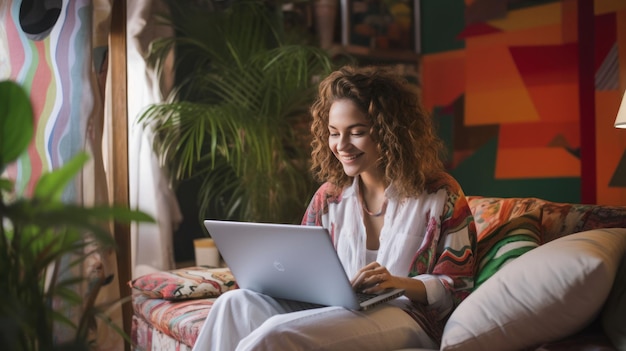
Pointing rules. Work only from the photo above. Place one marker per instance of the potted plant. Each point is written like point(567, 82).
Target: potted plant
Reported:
point(36, 233)
point(238, 119)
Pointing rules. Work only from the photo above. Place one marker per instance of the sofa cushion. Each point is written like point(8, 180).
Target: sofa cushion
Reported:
point(185, 283)
point(506, 243)
point(546, 294)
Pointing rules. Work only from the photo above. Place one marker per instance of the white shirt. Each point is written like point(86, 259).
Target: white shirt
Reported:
point(400, 238)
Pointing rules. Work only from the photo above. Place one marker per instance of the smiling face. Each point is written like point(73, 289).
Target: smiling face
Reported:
point(350, 139)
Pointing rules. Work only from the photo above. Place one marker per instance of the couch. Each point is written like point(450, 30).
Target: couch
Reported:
point(550, 276)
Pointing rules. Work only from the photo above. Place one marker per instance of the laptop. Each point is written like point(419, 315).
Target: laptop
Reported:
point(289, 261)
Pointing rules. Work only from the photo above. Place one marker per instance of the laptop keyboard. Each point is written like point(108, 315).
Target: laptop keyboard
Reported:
point(364, 297)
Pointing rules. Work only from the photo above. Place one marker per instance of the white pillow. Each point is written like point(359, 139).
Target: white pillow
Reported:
point(614, 311)
point(546, 294)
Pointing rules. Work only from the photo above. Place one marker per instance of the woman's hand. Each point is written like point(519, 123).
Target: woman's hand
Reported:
point(373, 279)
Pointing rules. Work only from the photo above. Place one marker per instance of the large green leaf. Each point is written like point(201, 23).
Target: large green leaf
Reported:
point(36, 235)
point(51, 185)
point(16, 122)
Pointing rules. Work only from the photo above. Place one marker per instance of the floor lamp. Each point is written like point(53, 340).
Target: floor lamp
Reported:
point(620, 120)
point(618, 179)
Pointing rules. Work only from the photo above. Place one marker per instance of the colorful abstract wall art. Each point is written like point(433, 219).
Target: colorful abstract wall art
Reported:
point(503, 84)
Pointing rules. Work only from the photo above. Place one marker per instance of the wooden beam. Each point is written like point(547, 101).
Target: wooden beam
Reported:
point(119, 168)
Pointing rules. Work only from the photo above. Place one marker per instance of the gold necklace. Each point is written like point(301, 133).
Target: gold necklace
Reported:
point(377, 214)
point(366, 210)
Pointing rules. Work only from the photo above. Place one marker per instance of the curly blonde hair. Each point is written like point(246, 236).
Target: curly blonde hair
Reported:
point(405, 136)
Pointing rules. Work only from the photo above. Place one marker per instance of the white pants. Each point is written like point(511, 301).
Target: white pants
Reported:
point(244, 320)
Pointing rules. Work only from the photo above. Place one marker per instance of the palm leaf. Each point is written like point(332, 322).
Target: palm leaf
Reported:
point(232, 120)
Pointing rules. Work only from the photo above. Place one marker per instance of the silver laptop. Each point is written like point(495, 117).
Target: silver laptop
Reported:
point(289, 261)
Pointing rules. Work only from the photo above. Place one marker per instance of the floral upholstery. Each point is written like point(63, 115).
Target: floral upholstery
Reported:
point(181, 320)
point(150, 338)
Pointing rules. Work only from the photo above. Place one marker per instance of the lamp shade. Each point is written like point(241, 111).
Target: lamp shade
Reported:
point(620, 120)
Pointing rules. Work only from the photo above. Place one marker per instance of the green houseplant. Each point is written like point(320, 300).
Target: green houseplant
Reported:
point(238, 119)
point(36, 234)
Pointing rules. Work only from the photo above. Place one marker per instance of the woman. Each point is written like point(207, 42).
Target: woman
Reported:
point(396, 218)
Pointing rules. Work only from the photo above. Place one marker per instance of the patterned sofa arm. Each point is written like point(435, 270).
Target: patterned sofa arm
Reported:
point(170, 307)
point(511, 227)
point(557, 219)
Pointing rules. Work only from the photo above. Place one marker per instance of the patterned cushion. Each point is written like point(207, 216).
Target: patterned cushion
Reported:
point(185, 283)
point(506, 243)
point(492, 212)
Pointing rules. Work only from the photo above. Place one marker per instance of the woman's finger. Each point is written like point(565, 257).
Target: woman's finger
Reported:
point(363, 273)
point(370, 276)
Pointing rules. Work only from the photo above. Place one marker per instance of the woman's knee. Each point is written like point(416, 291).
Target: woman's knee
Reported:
point(276, 332)
point(241, 302)
point(235, 300)
point(236, 295)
